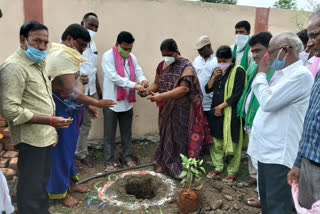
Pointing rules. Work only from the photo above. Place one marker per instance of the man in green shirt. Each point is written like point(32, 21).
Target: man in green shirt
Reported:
point(27, 104)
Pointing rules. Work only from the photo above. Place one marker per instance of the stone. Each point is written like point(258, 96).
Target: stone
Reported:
point(13, 164)
point(236, 207)
point(8, 173)
point(1, 147)
point(228, 197)
point(217, 204)
point(6, 132)
point(4, 163)
point(219, 212)
point(10, 154)
point(2, 153)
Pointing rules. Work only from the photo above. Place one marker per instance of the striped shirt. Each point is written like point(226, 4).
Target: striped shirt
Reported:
point(309, 146)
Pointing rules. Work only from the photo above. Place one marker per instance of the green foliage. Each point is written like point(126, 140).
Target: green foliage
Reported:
point(221, 1)
point(192, 170)
point(286, 4)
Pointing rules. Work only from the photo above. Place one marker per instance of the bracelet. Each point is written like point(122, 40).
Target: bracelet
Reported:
point(50, 121)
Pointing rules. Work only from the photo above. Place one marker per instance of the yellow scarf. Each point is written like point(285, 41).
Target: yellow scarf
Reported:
point(63, 60)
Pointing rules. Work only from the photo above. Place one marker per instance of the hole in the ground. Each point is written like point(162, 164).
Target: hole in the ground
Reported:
point(138, 187)
point(141, 188)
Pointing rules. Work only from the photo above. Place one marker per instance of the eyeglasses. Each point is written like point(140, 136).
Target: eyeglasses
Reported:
point(271, 52)
point(313, 35)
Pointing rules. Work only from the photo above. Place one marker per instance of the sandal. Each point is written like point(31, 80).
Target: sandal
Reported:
point(213, 173)
point(131, 164)
point(110, 168)
point(230, 178)
point(249, 182)
point(252, 202)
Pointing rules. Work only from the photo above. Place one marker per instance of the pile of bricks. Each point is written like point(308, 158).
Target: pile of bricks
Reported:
point(8, 157)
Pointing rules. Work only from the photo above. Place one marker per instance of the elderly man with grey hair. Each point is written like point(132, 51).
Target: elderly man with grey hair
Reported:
point(278, 124)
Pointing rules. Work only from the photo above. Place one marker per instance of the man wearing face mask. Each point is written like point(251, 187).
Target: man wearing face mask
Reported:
point(122, 76)
point(307, 54)
point(277, 127)
point(241, 50)
point(63, 65)
point(89, 77)
point(27, 104)
point(248, 104)
point(204, 65)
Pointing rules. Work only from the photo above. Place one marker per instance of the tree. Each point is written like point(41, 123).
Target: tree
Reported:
point(221, 1)
point(313, 5)
point(286, 4)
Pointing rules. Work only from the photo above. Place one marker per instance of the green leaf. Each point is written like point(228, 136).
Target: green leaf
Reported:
point(204, 171)
point(183, 173)
point(183, 181)
point(200, 162)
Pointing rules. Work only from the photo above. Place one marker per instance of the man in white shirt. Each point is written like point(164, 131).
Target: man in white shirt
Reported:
point(277, 126)
point(122, 76)
point(204, 65)
point(88, 72)
point(241, 49)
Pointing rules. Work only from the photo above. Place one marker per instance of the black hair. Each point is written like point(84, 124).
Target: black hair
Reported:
point(303, 35)
point(31, 26)
point(126, 37)
point(85, 18)
point(169, 44)
point(1, 13)
point(262, 38)
point(224, 52)
point(244, 24)
point(76, 31)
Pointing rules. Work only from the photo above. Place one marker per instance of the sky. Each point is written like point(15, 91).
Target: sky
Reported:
point(301, 4)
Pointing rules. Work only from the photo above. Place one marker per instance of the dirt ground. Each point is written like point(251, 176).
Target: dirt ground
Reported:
point(217, 197)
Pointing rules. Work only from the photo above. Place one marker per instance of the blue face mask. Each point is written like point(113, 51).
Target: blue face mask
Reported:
point(278, 64)
point(35, 54)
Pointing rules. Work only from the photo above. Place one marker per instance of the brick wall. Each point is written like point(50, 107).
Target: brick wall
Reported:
point(8, 158)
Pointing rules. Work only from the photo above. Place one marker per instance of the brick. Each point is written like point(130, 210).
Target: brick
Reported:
point(6, 132)
point(10, 154)
point(9, 147)
point(2, 118)
point(13, 183)
point(1, 147)
point(3, 123)
point(4, 163)
point(8, 173)
point(6, 140)
point(13, 164)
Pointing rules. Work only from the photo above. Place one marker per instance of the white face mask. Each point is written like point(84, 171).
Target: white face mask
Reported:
point(224, 65)
point(169, 59)
point(241, 41)
point(92, 33)
point(304, 56)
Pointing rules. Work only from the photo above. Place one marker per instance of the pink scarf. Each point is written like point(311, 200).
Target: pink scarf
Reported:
point(314, 67)
point(121, 92)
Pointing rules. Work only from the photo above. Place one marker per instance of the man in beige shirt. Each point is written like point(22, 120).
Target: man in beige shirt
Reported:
point(27, 103)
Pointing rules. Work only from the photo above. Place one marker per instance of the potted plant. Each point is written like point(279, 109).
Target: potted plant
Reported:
point(189, 199)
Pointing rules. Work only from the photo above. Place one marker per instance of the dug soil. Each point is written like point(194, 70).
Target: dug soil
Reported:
point(216, 196)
